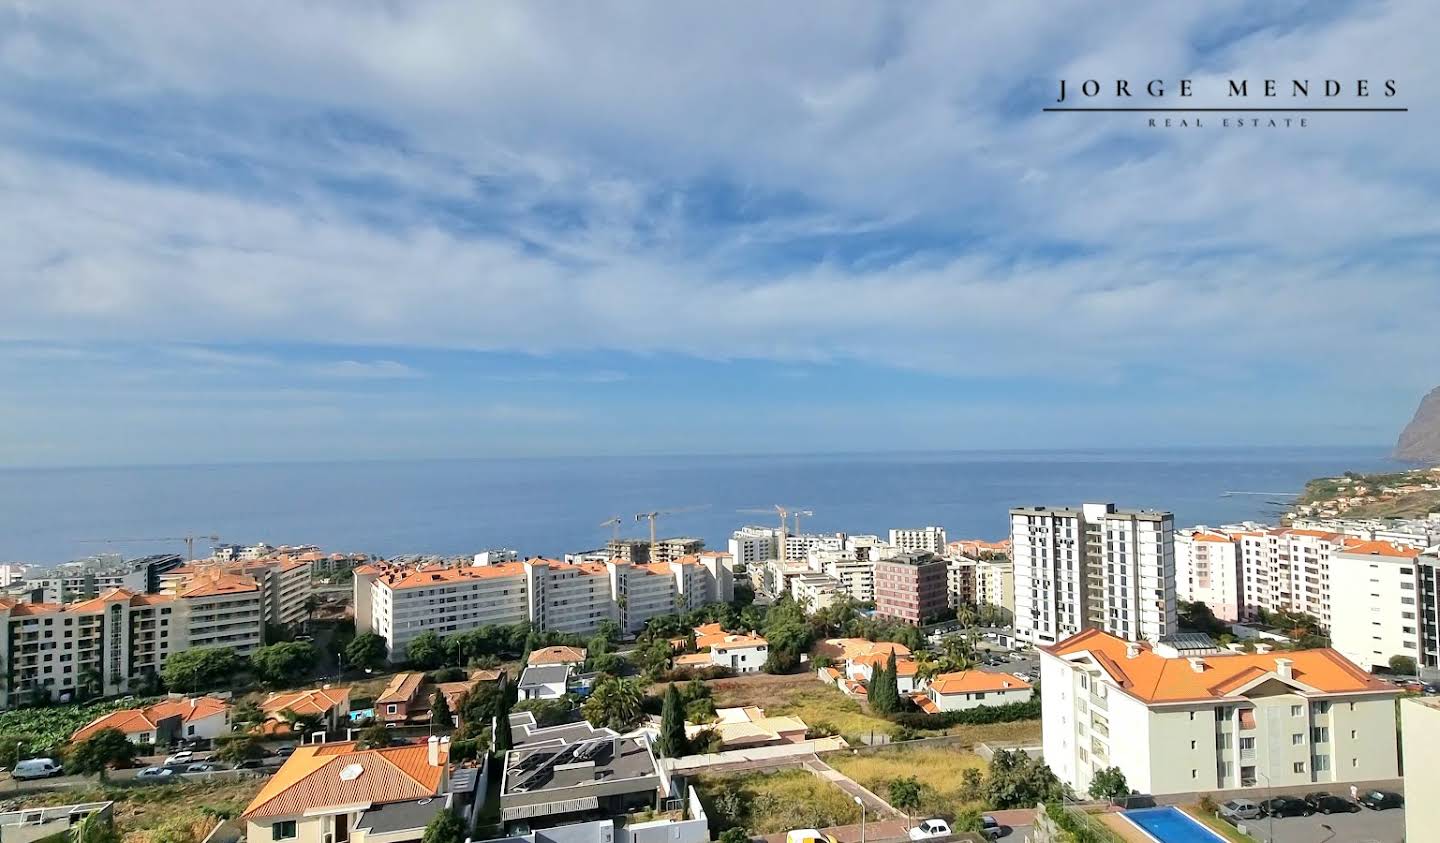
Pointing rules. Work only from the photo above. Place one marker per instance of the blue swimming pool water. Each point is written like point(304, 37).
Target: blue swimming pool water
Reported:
point(1171, 825)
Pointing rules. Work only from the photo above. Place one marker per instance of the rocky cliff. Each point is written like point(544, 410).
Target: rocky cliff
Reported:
point(1420, 440)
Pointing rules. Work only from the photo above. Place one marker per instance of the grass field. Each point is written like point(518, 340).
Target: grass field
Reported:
point(181, 813)
point(938, 769)
point(817, 703)
point(766, 803)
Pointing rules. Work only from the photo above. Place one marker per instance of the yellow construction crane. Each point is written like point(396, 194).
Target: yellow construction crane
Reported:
point(651, 516)
point(189, 542)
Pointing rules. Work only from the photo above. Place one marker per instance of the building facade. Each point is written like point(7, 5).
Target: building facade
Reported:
point(1207, 570)
point(1095, 567)
point(1220, 721)
point(920, 539)
point(1389, 606)
point(911, 587)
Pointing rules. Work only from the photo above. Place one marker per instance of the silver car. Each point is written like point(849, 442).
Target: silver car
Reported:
point(1239, 809)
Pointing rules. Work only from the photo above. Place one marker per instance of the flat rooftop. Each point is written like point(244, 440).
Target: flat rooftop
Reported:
point(597, 761)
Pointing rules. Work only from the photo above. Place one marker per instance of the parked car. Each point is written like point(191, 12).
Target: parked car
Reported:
point(250, 764)
point(1379, 800)
point(1240, 809)
point(1431, 690)
point(807, 835)
point(183, 757)
point(200, 768)
point(1327, 803)
point(1018, 675)
point(991, 827)
point(285, 751)
point(1286, 806)
point(38, 768)
point(153, 773)
point(933, 827)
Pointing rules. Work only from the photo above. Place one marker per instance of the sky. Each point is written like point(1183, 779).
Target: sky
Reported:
point(260, 231)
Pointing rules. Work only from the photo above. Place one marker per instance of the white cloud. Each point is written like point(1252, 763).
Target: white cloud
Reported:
point(364, 370)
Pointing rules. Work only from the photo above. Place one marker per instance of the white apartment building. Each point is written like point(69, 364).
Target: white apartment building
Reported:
point(754, 545)
point(568, 598)
point(1384, 612)
point(1288, 570)
point(856, 576)
point(1419, 735)
point(107, 645)
point(285, 582)
point(1207, 570)
point(1178, 724)
point(1096, 567)
point(960, 580)
point(931, 539)
point(995, 584)
point(815, 591)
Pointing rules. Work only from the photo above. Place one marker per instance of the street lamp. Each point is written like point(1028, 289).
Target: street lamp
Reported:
point(861, 803)
point(1269, 794)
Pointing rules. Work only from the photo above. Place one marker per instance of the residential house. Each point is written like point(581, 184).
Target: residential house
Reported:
point(749, 727)
point(164, 722)
point(545, 682)
point(330, 705)
point(570, 656)
point(401, 699)
point(971, 689)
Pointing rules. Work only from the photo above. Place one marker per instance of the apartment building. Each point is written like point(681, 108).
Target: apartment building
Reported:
point(775, 576)
point(87, 579)
point(568, 598)
point(911, 587)
point(995, 583)
point(750, 546)
point(107, 645)
point(1288, 570)
point(285, 582)
point(640, 552)
point(919, 540)
point(643, 592)
point(1095, 567)
point(1178, 724)
point(1388, 607)
point(1207, 570)
point(1419, 735)
point(960, 580)
point(855, 575)
point(814, 590)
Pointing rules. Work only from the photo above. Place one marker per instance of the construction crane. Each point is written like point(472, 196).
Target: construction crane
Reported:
point(189, 542)
point(651, 516)
point(805, 512)
point(784, 526)
point(614, 525)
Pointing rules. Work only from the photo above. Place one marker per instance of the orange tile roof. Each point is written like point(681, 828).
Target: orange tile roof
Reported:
point(692, 659)
point(401, 688)
point(1313, 534)
point(36, 608)
point(421, 577)
point(1367, 548)
point(363, 570)
point(1155, 679)
point(311, 779)
point(219, 583)
point(847, 649)
point(976, 681)
point(925, 704)
point(557, 655)
point(133, 720)
point(96, 604)
point(313, 701)
point(1213, 537)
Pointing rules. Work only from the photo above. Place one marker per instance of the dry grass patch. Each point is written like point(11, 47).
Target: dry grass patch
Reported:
point(939, 769)
point(161, 813)
point(812, 701)
point(1026, 732)
point(767, 803)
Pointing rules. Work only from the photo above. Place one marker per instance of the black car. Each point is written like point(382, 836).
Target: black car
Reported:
point(1379, 800)
point(1326, 803)
point(1286, 806)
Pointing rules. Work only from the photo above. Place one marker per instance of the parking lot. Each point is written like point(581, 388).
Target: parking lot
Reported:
point(1379, 826)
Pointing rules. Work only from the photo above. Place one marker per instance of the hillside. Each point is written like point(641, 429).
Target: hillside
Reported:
point(1404, 494)
point(1420, 440)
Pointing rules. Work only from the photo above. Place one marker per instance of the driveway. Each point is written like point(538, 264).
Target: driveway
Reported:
point(1380, 826)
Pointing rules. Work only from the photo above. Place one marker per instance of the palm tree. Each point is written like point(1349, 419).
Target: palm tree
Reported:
point(90, 681)
point(94, 828)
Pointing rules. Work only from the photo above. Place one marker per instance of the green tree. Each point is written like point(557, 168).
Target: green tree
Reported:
point(905, 793)
point(1402, 665)
point(503, 740)
point(654, 656)
point(672, 725)
point(1110, 783)
point(445, 828)
point(425, 651)
point(440, 714)
point(884, 691)
point(284, 663)
point(609, 630)
point(481, 704)
point(102, 750)
point(366, 650)
point(374, 737)
point(236, 748)
point(246, 713)
point(615, 703)
point(1016, 780)
point(303, 724)
point(972, 785)
point(96, 827)
point(734, 834)
point(202, 669)
point(788, 633)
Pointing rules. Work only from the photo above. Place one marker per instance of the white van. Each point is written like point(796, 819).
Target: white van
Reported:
point(38, 768)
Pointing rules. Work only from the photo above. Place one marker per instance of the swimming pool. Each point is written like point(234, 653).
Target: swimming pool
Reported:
point(1169, 824)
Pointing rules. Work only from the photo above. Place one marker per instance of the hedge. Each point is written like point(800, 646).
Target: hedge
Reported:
point(980, 715)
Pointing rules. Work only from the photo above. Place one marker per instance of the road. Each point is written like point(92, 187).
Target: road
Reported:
point(9, 784)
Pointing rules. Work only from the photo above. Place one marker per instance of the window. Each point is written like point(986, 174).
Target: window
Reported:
point(391, 708)
point(1296, 711)
point(1297, 739)
point(1299, 766)
point(283, 830)
point(1320, 763)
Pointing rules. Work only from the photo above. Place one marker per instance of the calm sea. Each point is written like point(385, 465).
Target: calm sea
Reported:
point(550, 506)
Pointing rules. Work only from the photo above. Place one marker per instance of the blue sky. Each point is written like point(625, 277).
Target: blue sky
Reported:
point(256, 231)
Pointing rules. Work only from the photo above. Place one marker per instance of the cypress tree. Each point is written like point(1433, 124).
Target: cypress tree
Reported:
point(672, 725)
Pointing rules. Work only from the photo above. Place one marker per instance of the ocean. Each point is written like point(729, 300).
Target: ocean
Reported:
point(551, 506)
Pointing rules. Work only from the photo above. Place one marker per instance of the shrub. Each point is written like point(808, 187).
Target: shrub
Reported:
point(1028, 710)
